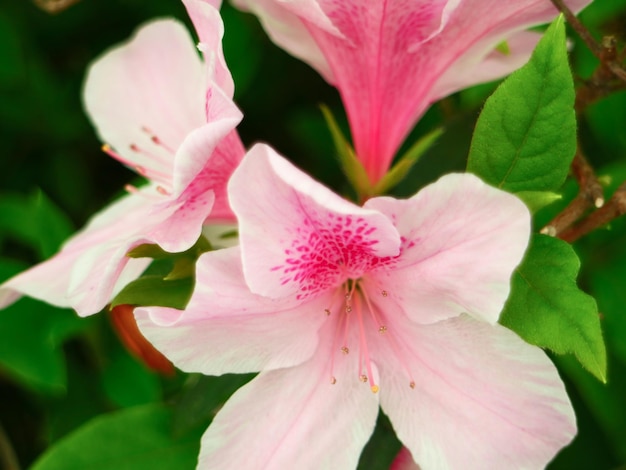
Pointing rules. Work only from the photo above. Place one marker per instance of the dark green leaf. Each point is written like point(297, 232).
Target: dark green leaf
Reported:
point(132, 439)
point(525, 137)
point(202, 399)
point(546, 307)
point(156, 291)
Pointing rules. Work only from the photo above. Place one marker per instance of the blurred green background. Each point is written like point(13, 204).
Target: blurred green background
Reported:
point(58, 372)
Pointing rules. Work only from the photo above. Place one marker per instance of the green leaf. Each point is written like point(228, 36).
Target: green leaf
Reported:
point(546, 307)
point(127, 382)
point(525, 137)
point(136, 438)
point(35, 220)
point(406, 162)
point(153, 290)
point(536, 200)
point(350, 164)
point(31, 335)
point(202, 399)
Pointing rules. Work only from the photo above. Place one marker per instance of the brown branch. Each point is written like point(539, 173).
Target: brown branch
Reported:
point(610, 67)
point(615, 207)
point(580, 28)
point(590, 194)
point(606, 79)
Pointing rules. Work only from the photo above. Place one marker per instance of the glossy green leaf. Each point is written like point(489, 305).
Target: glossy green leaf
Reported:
point(154, 290)
point(136, 438)
point(525, 137)
point(546, 307)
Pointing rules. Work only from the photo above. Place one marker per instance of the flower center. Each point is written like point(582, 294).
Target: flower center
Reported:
point(356, 310)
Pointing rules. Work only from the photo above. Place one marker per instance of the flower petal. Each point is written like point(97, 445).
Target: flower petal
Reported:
point(386, 57)
point(206, 161)
point(208, 24)
point(225, 328)
point(483, 398)
point(292, 418)
point(482, 63)
point(462, 239)
point(54, 280)
point(135, 98)
point(287, 30)
point(297, 237)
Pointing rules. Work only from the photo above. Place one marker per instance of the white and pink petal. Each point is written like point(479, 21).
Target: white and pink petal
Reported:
point(483, 398)
point(461, 241)
point(293, 418)
point(228, 329)
point(135, 98)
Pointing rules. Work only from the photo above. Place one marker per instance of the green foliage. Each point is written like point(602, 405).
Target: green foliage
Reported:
point(155, 290)
point(525, 137)
point(132, 439)
point(547, 309)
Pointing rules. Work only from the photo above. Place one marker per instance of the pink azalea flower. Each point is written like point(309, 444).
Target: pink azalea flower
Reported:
point(331, 302)
point(391, 59)
point(168, 115)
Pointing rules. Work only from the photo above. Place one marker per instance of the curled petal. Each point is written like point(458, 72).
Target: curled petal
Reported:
point(208, 24)
point(102, 241)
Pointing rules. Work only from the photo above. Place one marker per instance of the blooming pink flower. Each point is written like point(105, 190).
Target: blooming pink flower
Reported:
point(390, 59)
point(169, 116)
point(331, 302)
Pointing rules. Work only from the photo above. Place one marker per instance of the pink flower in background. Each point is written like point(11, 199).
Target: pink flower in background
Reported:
point(331, 302)
point(168, 115)
point(390, 59)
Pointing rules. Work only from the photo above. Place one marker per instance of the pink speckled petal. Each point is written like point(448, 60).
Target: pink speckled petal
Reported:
point(135, 97)
point(293, 418)
point(227, 329)
point(297, 237)
point(462, 239)
point(483, 398)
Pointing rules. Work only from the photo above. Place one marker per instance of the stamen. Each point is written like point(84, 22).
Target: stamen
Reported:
point(333, 380)
point(327, 311)
point(345, 350)
point(161, 190)
point(363, 341)
point(382, 330)
point(363, 378)
point(157, 141)
point(384, 293)
point(131, 189)
point(412, 384)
